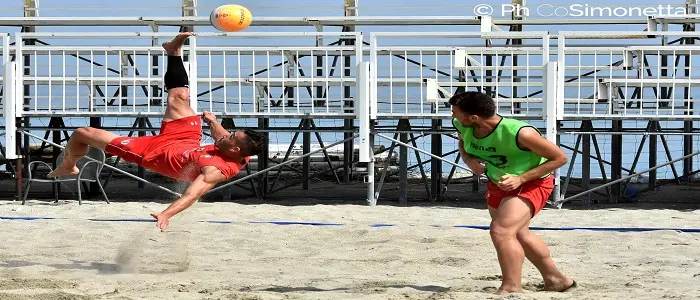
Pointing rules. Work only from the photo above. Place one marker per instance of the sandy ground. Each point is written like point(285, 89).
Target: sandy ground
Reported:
point(422, 256)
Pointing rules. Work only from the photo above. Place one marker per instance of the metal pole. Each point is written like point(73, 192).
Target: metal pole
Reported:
point(106, 165)
point(691, 8)
point(625, 178)
point(371, 197)
point(635, 133)
point(551, 115)
point(306, 147)
point(366, 125)
point(350, 10)
point(279, 165)
point(404, 125)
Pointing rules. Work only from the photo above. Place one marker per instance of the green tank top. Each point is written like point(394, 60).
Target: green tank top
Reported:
point(500, 149)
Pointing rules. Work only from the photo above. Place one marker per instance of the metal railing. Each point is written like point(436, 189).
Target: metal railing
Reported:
point(276, 75)
point(412, 78)
point(241, 74)
point(637, 79)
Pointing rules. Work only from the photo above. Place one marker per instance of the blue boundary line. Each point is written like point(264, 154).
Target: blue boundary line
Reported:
point(377, 225)
point(122, 220)
point(25, 218)
point(295, 223)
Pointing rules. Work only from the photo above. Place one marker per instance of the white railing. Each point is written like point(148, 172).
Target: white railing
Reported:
point(410, 75)
point(412, 78)
point(605, 82)
point(241, 74)
point(297, 74)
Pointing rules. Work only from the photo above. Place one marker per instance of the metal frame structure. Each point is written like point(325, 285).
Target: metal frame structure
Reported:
point(127, 104)
point(630, 87)
point(531, 80)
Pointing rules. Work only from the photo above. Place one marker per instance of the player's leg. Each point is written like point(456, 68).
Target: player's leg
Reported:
point(538, 254)
point(77, 147)
point(176, 81)
point(512, 215)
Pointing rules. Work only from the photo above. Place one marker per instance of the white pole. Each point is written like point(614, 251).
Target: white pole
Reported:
point(9, 98)
point(550, 100)
point(363, 114)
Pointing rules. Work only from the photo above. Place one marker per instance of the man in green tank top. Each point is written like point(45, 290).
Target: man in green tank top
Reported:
point(518, 162)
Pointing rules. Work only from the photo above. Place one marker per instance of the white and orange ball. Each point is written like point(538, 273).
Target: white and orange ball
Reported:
point(230, 18)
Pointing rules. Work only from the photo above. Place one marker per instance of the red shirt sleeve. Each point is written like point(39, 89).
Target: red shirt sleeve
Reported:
point(228, 168)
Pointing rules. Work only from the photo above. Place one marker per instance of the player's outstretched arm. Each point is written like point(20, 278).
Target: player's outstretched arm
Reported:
point(206, 181)
point(217, 131)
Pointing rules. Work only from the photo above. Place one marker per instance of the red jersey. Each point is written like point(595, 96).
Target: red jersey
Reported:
point(176, 152)
point(186, 162)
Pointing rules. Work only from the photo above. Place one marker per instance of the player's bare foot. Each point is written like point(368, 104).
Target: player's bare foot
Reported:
point(559, 285)
point(62, 171)
point(503, 290)
point(173, 47)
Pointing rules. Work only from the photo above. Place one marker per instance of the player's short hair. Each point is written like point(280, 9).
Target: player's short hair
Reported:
point(254, 142)
point(474, 103)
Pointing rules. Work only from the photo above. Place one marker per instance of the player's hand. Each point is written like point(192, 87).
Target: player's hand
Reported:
point(510, 182)
point(475, 165)
point(161, 221)
point(208, 117)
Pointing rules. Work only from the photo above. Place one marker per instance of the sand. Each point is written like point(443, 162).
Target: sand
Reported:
point(422, 256)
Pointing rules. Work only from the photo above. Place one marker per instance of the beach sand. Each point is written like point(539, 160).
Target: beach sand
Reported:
point(422, 256)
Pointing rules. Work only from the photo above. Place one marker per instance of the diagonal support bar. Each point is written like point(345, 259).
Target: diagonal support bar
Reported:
point(280, 165)
point(424, 152)
point(625, 178)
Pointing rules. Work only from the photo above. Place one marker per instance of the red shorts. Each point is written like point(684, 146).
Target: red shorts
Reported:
point(151, 151)
point(536, 191)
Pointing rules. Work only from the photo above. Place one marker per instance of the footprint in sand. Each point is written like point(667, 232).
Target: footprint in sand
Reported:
point(150, 251)
point(488, 277)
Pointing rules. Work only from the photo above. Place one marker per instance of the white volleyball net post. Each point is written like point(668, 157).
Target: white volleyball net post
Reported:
point(9, 100)
point(363, 114)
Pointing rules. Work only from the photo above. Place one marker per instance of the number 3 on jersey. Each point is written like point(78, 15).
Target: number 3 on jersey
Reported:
point(498, 160)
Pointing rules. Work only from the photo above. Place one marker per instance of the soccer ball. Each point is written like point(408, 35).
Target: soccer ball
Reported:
point(230, 18)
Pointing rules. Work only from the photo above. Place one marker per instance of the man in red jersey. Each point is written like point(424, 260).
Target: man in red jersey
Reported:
point(176, 152)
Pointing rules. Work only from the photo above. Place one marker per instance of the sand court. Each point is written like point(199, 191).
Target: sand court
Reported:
point(358, 109)
point(237, 251)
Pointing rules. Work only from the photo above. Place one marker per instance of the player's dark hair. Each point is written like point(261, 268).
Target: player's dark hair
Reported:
point(474, 103)
point(254, 142)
